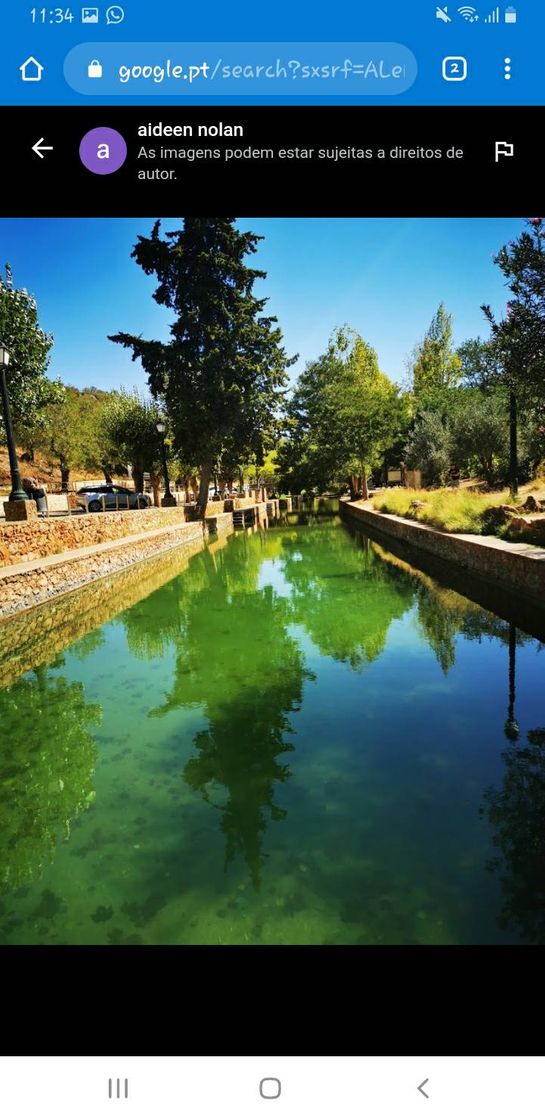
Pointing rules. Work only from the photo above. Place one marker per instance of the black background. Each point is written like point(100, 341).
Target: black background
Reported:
point(274, 1000)
point(59, 185)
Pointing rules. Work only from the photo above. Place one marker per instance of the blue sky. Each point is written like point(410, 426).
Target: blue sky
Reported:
point(383, 276)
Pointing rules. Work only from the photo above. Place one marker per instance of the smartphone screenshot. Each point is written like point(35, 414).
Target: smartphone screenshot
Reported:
point(272, 557)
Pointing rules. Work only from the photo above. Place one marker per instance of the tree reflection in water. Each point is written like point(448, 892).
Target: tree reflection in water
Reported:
point(345, 598)
point(46, 776)
point(236, 660)
point(516, 812)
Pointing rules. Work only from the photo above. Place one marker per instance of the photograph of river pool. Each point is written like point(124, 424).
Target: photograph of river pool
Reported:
point(299, 737)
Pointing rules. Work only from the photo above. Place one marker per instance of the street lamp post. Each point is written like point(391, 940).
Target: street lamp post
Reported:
point(17, 492)
point(168, 498)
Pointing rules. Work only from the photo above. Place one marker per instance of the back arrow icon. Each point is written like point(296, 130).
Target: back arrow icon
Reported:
point(39, 147)
point(421, 1088)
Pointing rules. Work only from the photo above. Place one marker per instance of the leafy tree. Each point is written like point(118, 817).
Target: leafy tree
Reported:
point(435, 366)
point(363, 405)
point(480, 431)
point(344, 413)
point(222, 372)
point(430, 448)
point(519, 338)
point(71, 436)
point(129, 424)
point(29, 347)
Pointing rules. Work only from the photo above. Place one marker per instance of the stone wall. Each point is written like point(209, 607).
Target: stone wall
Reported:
point(32, 540)
point(34, 637)
point(517, 568)
point(22, 590)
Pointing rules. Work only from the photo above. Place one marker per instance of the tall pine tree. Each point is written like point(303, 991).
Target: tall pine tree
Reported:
point(222, 374)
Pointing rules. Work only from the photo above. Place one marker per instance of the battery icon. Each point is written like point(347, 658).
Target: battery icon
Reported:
point(510, 15)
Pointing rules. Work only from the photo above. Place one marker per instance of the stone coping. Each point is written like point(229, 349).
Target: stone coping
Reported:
point(518, 567)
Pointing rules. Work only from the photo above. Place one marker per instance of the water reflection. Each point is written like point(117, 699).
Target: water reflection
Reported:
point(516, 811)
point(46, 769)
point(274, 713)
point(237, 662)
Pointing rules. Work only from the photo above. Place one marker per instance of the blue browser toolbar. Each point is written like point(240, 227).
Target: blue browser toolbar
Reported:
point(422, 53)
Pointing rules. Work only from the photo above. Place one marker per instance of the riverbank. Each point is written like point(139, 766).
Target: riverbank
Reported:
point(517, 568)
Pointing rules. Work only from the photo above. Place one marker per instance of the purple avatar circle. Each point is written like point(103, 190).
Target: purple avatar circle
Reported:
point(102, 151)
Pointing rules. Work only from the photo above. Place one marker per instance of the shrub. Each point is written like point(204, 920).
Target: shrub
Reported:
point(453, 511)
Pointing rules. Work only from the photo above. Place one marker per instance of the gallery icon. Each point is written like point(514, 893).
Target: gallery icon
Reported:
point(454, 68)
point(89, 15)
point(31, 70)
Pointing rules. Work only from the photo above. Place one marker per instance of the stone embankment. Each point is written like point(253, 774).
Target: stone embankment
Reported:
point(49, 558)
point(518, 568)
point(41, 560)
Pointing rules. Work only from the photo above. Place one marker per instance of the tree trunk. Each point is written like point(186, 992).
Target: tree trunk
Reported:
point(138, 479)
point(353, 487)
point(513, 454)
point(65, 475)
point(155, 480)
point(488, 472)
point(364, 490)
point(202, 500)
point(107, 472)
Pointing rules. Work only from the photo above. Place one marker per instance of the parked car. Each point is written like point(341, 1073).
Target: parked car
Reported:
point(93, 499)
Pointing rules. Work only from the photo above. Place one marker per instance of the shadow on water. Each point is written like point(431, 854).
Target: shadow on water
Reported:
point(278, 715)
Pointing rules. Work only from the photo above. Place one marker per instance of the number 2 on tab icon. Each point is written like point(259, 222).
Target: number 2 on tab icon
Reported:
point(454, 68)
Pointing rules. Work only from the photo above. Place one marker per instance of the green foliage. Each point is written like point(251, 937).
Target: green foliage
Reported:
point(480, 432)
point(343, 415)
point(222, 373)
point(435, 366)
point(520, 337)
point(452, 511)
point(129, 429)
point(429, 447)
point(29, 347)
point(71, 435)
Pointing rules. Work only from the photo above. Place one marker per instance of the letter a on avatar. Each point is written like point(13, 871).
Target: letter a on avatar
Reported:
point(103, 151)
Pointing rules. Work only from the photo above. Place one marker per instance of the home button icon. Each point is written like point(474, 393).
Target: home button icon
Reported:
point(31, 70)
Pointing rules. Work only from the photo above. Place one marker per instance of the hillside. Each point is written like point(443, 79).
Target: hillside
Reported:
point(40, 470)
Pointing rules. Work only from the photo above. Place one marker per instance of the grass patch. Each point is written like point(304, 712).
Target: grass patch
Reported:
point(451, 510)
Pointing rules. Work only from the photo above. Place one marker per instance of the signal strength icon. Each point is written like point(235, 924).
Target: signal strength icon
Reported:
point(494, 16)
point(469, 14)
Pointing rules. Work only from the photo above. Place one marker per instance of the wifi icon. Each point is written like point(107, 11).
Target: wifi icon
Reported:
point(468, 13)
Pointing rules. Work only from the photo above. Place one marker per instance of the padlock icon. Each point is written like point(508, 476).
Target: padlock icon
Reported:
point(94, 69)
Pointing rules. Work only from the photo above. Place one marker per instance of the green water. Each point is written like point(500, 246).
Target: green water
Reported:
point(298, 740)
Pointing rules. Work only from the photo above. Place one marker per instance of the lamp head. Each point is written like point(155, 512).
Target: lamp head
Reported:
point(4, 355)
point(161, 428)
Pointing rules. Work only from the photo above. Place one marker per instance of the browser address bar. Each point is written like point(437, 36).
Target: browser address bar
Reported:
point(215, 69)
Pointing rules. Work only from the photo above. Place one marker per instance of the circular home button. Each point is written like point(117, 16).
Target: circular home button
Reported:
point(270, 1088)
